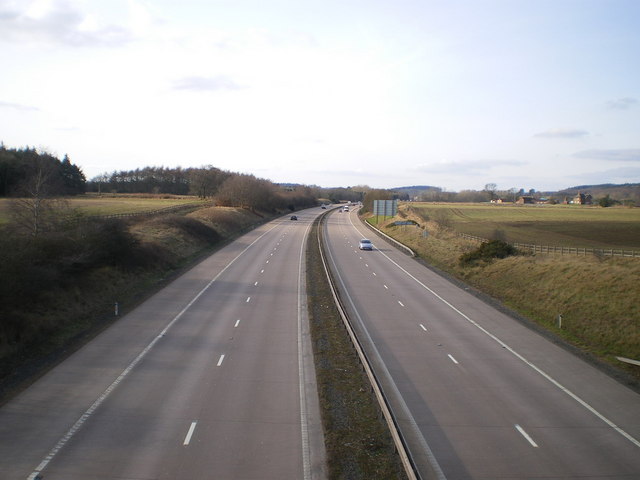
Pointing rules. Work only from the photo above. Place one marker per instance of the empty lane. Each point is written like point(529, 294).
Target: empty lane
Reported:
point(489, 398)
point(207, 379)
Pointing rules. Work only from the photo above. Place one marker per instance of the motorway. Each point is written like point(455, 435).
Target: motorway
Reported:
point(212, 377)
point(476, 393)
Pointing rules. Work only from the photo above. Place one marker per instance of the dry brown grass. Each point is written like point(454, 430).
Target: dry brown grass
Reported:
point(226, 220)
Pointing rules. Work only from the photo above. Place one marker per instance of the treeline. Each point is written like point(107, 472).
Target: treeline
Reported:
point(22, 170)
point(223, 187)
point(202, 182)
point(242, 190)
point(40, 176)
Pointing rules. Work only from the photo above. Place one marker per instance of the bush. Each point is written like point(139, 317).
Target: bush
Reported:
point(487, 251)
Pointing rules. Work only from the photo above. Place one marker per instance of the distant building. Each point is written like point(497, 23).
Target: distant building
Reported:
point(526, 199)
point(582, 199)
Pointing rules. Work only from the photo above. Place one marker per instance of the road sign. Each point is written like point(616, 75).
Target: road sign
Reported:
point(386, 208)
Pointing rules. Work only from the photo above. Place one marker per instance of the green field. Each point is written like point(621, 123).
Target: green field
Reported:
point(111, 205)
point(556, 225)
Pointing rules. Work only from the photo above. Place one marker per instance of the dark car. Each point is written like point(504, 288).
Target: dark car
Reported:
point(293, 217)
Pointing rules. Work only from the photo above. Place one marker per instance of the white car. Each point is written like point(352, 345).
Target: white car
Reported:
point(365, 244)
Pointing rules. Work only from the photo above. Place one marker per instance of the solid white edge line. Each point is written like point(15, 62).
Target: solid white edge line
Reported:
point(187, 439)
point(526, 435)
point(85, 416)
point(304, 424)
point(548, 377)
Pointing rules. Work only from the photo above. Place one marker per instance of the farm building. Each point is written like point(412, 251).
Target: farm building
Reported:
point(526, 199)
point(579, 199)
point(582, 199)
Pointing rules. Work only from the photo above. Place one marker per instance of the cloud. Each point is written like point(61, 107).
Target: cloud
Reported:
point(562, 133)
point(207, 84)
point(622, 103)
point(18, 106)
point(467, 167)
point(620, 155)
point(57, 22)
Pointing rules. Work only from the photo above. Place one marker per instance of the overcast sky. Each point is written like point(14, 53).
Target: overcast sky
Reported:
point(540, 94)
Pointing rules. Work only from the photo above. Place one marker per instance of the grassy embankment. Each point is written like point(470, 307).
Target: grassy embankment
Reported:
point(596, 296)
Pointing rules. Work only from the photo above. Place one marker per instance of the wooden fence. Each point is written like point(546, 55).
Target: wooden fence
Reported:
point(549, 249)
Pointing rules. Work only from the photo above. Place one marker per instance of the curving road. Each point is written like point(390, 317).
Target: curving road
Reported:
point(212, 377)
point(478, 395)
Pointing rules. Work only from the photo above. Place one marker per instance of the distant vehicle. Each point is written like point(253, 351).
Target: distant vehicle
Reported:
point(293, 217)
point(346, 208)
point(324, 207)
point(365, 244)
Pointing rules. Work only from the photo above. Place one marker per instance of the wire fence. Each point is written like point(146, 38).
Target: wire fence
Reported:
point(149, 213)
point(552, 250)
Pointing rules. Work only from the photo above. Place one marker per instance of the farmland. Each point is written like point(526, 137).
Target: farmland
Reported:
point(558, 225)
point(111, 204)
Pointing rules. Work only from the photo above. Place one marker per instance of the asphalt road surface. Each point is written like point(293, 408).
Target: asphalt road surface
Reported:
point(210, 378)
point(478, 395)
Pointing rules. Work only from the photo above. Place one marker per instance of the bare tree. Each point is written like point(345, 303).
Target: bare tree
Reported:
point(246, 191)
point(490, 188)
point(204, 182)
point(33, 209)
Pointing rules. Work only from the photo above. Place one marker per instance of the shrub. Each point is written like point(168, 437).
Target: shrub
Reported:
point(487, 251)
point(443, 219)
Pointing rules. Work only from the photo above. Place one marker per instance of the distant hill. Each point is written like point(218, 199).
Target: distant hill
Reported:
point(625, 191)
point(415, 190)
